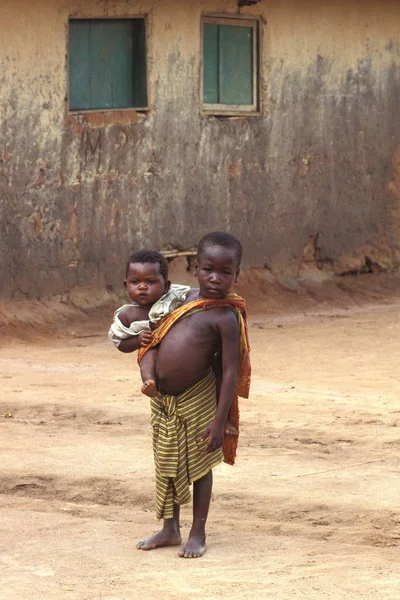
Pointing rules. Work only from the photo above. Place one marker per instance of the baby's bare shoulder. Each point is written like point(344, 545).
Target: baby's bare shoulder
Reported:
point(193, 294)
point(128, 314)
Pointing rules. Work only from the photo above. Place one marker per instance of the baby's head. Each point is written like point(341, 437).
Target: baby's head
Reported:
point(217, 266)
point(146, 278)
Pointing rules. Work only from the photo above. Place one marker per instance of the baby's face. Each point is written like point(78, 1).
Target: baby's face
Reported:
point(144, 283)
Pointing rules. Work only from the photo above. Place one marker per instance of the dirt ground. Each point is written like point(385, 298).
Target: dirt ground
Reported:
point(310, 510)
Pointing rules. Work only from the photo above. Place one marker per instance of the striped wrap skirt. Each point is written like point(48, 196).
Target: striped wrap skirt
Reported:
point(180, 455)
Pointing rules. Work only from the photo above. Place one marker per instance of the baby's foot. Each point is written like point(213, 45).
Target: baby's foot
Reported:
point(149, 388)
point(230, 429)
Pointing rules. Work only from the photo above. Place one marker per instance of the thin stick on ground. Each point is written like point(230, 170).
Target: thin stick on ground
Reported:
point(367, 462)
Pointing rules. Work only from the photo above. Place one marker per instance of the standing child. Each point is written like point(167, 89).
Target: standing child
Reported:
point(153, 297)
point(188, 425)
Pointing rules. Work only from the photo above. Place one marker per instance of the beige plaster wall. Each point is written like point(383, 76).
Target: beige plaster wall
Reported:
point(307, 181)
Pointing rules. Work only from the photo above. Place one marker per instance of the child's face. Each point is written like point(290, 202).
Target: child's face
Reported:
point(216, 271)
point(144, 283)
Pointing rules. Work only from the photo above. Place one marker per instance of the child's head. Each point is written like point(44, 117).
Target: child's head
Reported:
point(146, 277)
point(217, 266)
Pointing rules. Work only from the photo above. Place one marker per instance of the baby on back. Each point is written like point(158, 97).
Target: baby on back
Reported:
point(153, 297)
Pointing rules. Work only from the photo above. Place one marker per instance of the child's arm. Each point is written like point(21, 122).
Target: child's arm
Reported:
point(229, 332)
point(216, 365)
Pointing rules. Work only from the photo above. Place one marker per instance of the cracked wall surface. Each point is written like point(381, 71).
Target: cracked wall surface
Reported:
point(312, 182)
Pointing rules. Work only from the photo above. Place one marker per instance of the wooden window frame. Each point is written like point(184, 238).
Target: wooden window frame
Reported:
point(234, 109)
point(78, 111)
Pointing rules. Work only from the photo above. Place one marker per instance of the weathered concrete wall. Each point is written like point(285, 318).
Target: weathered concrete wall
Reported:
point(313, 179)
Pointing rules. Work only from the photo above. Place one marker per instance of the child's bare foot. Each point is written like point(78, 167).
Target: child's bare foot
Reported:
point(158, 540)
point(149, 388)
point(194, 548)
point(230, 429)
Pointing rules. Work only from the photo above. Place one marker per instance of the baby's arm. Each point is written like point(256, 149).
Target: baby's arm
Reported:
point(135, 342)
point(229, 332)
point(124, 340)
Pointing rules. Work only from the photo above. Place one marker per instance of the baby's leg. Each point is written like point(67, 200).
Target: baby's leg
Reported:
point(230, 429)
point(148, 372)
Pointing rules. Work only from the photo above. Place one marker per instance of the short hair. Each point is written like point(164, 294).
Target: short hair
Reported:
point(149, 256)
point(221, 238)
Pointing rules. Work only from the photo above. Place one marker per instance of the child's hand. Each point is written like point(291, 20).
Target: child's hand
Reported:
point(145, 338)
point(215, 435)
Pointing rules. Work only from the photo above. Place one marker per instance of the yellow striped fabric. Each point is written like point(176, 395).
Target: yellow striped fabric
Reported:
point(180, 455)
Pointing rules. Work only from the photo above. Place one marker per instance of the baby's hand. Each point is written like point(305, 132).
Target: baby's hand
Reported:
point(145, 338)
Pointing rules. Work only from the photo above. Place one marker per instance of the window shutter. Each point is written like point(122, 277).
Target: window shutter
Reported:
point(235, 65)
point(139, 74)
point(210, 63)
point(79, 65)
point(107, 64)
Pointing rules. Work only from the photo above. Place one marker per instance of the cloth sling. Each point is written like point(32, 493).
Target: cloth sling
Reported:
point(237, 304)
point(180, 454)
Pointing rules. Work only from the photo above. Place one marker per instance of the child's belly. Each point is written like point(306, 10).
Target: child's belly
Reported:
point(184, 356)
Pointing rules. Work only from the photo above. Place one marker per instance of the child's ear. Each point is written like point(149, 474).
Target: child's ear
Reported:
point(167, 285)
point(125, 283)
point(237, 275)
point(196, 266)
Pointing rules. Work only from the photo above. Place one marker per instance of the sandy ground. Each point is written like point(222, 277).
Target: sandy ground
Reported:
point(311, 510)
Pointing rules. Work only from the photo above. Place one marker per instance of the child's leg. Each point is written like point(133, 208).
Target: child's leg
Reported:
point(196, 544)
point(148, 372)
point(169, 535)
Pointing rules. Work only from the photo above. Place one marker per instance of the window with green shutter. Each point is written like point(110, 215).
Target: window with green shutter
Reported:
point(107, 64)
point(230, 65)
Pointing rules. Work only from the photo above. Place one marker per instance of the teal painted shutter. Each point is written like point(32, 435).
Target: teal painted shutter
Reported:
point(139, 74)
point(121, 64)
point(111, 64)
point(100, 68)
point(107, 64)
point(210, 63)
point(79, 65)
point(235, 65)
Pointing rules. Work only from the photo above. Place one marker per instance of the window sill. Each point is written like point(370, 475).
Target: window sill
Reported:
point(102, 118)
point(230, 112)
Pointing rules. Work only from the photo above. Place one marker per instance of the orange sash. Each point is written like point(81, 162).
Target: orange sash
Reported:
point(237, 304)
